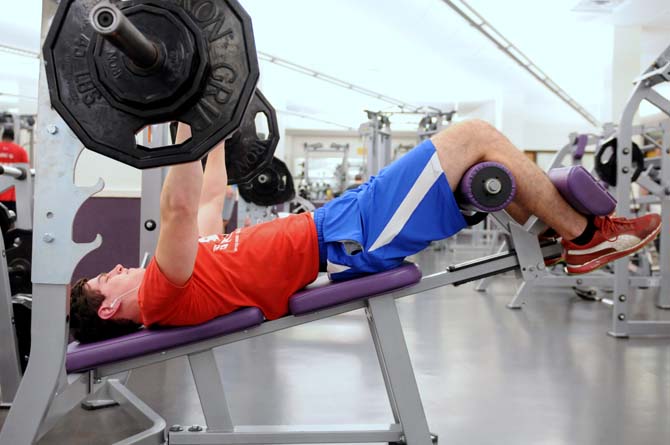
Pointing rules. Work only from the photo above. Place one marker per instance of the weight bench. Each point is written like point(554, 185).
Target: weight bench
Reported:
point(376, 293)
point(92, 367)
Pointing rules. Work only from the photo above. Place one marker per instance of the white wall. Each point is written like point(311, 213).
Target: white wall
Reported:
point(120, 180)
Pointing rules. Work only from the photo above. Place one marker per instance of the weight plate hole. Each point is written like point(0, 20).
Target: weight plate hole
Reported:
point(150, 133)
point(262, 126)
point(607, 155)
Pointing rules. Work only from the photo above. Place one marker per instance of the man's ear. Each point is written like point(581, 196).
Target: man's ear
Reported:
point(105, 311)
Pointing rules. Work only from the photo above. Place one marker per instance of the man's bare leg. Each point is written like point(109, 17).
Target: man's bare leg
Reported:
point(518, 213)
point(465, 144)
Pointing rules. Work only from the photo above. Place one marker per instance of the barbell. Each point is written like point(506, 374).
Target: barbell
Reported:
point(115, 67)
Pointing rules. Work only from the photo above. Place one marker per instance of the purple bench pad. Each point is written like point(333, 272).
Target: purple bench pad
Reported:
point(81, 357)
point(330, 294)
point(582, 190)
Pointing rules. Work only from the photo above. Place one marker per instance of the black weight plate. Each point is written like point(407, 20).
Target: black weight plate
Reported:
point(19, 252)
point(246, 152)
point(272, 186)
point(605, 163)
point(156, 92)
point(214, 112)
point(22, 318)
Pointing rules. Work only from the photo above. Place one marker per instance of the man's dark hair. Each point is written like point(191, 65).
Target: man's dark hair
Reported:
point(8, 134)
point(85, 323)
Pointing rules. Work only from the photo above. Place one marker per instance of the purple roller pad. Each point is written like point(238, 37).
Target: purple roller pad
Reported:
point(580, 146)
point(466, 196)
point(582, 190)
point(81, 357)
point(331, 294)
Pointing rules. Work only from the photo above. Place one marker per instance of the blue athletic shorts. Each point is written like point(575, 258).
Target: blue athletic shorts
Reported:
point(398, 213)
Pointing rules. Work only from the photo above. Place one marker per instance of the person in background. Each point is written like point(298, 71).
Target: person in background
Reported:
point(358, 180)
point(10, 153)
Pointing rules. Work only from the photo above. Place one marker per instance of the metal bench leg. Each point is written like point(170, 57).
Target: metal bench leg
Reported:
point(155, 434)
point(46, 364)
point(210, 391)
point(520, 297)
point(398, 375)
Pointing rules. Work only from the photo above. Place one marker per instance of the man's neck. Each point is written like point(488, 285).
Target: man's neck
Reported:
point(132, 309)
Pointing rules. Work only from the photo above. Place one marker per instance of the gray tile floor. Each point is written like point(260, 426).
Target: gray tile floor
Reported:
point(547, 374)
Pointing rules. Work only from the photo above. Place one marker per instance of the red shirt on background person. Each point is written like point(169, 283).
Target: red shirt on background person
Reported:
point(10, 153)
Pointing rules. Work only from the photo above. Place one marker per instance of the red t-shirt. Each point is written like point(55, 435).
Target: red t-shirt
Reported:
point(259, 266)
point(11, 153)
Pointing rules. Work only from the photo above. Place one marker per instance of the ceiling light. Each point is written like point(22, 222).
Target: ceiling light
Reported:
point(601, 6)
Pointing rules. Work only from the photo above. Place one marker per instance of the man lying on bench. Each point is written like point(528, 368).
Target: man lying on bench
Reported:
point(196, 276)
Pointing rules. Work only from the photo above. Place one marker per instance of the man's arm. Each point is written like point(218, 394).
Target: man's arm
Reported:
point(213, 192)
point(178, 237)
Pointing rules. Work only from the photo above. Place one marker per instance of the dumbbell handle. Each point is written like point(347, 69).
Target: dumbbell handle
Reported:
point(110, 22)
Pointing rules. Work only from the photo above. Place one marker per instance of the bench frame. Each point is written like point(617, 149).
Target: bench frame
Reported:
point(102, 386)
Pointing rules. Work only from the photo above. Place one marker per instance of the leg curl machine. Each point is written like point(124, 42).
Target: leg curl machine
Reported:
point(625, 167)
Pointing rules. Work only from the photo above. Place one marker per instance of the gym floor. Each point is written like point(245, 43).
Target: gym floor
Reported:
point(547, 374)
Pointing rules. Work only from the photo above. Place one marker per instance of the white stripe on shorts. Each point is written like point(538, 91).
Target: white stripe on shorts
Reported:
point(430, 174)
point(333, 268)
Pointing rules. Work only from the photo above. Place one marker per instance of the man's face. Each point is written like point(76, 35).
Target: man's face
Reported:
point(117, 282)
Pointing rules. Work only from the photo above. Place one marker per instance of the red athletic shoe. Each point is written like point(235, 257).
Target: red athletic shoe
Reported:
point(615, 238)
point(548, 262)
point(551, 235)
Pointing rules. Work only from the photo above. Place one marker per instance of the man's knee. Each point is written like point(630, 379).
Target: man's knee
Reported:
point(478, 131)
point(472, 136)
